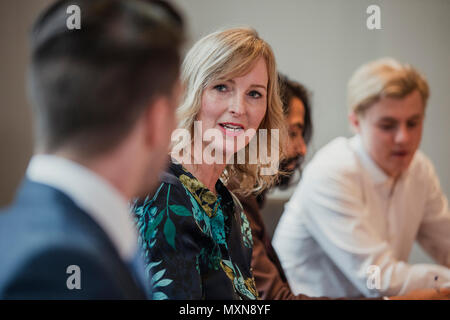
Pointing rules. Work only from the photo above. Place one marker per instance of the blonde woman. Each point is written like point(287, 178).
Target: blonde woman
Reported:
point(196, 237)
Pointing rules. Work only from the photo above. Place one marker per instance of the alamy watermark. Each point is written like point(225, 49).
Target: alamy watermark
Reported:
point(74, 20)
point(74, 280)
point(373, 273)
point(374, 20)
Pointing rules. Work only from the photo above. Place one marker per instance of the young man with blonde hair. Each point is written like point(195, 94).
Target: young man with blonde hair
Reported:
point(349, 228)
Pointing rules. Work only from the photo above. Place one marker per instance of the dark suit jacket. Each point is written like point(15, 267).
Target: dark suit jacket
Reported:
point(41, 234)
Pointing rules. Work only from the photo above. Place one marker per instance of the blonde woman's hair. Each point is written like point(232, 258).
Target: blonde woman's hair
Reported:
point(381, 78)
point(228, 54)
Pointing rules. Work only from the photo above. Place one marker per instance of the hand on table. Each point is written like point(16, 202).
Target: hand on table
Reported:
point(425, 294)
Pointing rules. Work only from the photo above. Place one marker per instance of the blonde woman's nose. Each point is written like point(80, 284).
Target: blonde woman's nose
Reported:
point(237, 105)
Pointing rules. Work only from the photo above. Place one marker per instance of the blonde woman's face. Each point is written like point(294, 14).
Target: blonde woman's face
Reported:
point(233, 106)
point(391, 130)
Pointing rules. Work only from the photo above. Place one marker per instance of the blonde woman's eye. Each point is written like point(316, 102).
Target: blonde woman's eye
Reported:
point(255, 94)
point(221, 88)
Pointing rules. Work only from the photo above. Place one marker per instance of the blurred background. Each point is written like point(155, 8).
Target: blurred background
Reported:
point(316, 42)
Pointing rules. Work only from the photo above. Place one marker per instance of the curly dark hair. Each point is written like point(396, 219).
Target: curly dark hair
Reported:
point(290, 89)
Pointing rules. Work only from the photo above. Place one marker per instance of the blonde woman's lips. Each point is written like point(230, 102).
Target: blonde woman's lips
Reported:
point(231, 129)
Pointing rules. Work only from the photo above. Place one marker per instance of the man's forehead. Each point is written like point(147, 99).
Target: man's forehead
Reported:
point(397, 119)
point(397, 114)
point(408, 107)
point(295, 119)
point(296, 107)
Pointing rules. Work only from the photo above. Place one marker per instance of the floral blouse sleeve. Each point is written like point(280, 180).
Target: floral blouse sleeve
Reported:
point(197, 245)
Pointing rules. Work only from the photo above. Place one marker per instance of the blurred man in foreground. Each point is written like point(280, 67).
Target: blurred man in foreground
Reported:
point(104, 98)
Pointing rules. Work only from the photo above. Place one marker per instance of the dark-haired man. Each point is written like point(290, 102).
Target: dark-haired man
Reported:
point(104, 98)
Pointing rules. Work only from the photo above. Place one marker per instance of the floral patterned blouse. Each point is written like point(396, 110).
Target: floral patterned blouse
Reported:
point(197, 245)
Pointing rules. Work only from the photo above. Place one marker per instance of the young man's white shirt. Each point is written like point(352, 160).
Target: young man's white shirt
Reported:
point(347, 214)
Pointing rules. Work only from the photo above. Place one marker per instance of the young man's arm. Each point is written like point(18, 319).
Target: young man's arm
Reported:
point(434, 232)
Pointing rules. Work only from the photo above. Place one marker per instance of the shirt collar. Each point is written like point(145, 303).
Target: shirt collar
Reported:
point(378, 176)
point(92, 193)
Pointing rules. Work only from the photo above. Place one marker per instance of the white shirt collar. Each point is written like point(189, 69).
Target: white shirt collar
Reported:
point(92, 193)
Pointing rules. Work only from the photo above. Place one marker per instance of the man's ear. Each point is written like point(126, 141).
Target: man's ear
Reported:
point(354, 121)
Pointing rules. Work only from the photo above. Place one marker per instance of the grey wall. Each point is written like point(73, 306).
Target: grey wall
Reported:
point(16, 17)
point(317, 42)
